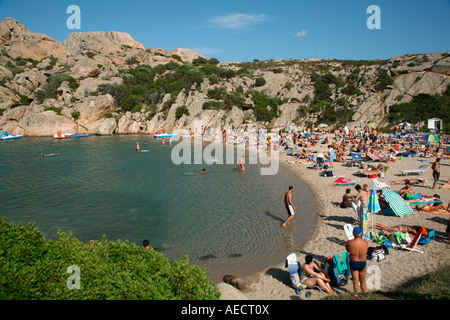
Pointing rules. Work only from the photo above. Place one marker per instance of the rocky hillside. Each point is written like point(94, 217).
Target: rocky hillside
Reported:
point(107, 83)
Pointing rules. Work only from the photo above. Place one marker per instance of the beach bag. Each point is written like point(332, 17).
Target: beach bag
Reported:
point(378, 253)
point(327, 173)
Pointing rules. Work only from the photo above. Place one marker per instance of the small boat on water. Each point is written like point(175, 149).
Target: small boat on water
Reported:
point(167, 135)
point(60, 135)
point(6, 136)
point(81, 135)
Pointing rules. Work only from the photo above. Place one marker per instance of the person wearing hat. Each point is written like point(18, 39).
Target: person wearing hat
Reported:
point(357, 248)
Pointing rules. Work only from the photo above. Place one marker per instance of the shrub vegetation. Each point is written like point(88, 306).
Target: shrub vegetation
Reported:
point(33, 268)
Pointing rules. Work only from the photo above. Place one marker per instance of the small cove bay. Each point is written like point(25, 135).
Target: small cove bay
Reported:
point(226, 221)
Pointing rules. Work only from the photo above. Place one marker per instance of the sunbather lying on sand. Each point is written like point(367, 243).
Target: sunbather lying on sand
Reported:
point(380, 169)
point(445, 186)
point(411, 181)
point(412, 230)
point(431, 207)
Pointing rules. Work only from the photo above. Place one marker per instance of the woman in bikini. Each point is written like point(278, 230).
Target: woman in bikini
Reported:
point(309, 276)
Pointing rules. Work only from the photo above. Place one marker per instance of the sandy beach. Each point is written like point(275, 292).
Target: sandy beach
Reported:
point(273, 283)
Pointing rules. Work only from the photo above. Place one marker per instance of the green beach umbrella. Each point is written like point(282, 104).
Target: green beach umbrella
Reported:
point(430, 138)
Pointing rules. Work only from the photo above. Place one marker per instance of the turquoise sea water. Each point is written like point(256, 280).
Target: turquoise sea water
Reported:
point(226, 221)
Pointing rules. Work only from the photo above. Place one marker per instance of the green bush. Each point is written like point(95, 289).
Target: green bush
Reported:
point(260, 82)
point(55, 109)
point(32, 268)
point(50, 89)
point(423, 106)
point(180, 111)
point(266, 108)
point(383, 81)
point(217, 93)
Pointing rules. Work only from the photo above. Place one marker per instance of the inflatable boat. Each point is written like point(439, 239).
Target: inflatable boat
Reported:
point(167, 135)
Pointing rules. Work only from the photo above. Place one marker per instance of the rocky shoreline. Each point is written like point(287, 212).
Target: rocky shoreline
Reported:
point(79, 66)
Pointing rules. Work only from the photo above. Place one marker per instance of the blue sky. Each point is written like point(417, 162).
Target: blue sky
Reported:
point(253, 29)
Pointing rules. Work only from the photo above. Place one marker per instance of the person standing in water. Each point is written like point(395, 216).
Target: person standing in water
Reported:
point(289, 205)
point(137, 147)
point(241, 166)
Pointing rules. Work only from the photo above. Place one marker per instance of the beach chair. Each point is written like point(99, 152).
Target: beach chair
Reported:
point(419, 170)
point(413, 245)
point(380, 185)
point(374, 158)
point(293, 266)
point(427, 239)
point(396, 202)
point(348, 228)
point(356, 158)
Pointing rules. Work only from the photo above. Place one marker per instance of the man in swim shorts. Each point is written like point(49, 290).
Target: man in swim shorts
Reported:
point(436, 172)
point(357, 248)
point(289, 205)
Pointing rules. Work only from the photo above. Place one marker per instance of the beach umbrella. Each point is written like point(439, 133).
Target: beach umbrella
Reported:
point(430, 138)
point(372, 204)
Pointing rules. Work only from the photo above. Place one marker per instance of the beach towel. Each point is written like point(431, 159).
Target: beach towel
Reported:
point(338, 269)
point(396, 202)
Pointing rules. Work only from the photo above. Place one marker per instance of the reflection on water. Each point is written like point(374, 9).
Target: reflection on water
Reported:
point(224, 220)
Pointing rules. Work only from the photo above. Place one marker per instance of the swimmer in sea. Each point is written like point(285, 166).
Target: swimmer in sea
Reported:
point(241, 166)
point(137, 147)
point(201, 172)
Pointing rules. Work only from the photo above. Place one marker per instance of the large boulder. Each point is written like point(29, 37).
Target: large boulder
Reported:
point(18, 41)
point(99, 42)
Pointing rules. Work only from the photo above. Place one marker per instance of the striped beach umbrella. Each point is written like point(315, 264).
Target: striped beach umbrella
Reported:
point(430, 138)
point(372, 204)
point(396, 202)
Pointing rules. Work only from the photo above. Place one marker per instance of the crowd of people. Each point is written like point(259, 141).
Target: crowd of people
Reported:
point(378, 150)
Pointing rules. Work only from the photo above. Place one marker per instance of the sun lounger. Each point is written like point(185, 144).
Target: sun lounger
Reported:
point(413, 245)
point(419, 170)
point(380, 185)
point(375, 158)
